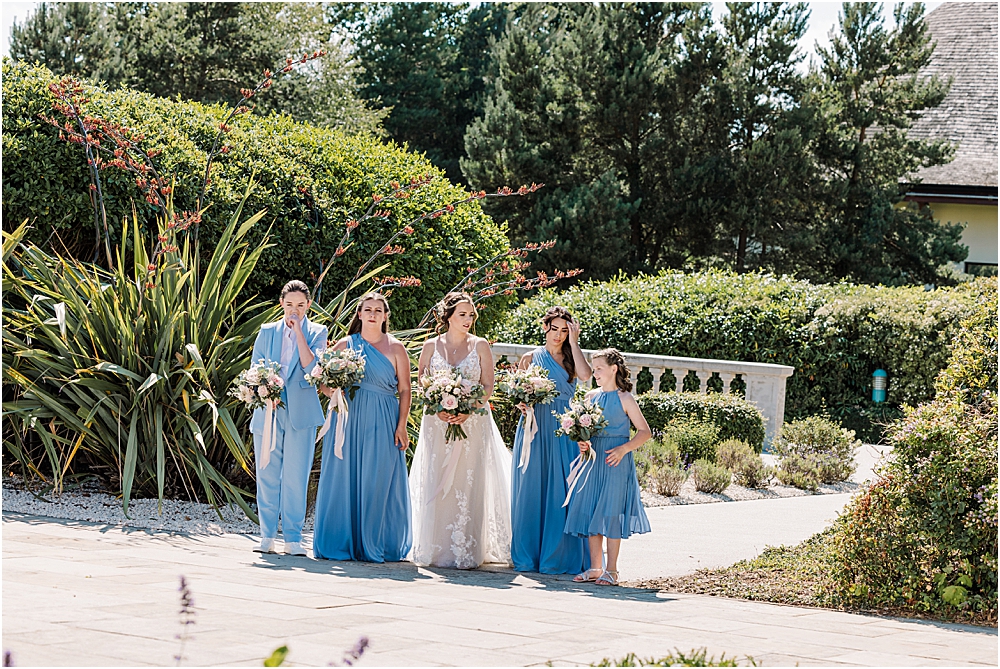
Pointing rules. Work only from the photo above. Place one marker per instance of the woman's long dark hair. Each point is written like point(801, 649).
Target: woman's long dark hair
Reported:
point(551, 314)
point(445, 309)
point(355, 326)
point(614, 357)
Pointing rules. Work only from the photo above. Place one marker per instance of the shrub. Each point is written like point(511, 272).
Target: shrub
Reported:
point(126, 379)
point(924, 535)
point(801, 471)
point(734, 417)
point(710, 478)
point(828, 447)
point(315, 179)
point(693, 439)
point(834, 335)
point(747, 467)
point(657, 452)
point(667, 480)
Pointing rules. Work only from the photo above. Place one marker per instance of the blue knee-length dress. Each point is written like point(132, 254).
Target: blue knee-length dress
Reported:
point(538, 542)
point(609, 503)
point(363, 501)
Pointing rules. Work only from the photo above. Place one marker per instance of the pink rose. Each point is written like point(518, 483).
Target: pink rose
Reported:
point(449, 402)
point(585, 420)
point(262, 391)
point(567, 424)
point(276, 380)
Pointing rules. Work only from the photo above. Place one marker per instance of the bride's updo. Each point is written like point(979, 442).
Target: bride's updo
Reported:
point(445, 309)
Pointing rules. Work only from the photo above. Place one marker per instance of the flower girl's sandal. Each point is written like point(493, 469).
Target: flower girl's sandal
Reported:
point(584, 576)
point(607, 578)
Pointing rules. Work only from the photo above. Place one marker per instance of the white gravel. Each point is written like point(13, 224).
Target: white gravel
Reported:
point(737, 493)
point(97, 507)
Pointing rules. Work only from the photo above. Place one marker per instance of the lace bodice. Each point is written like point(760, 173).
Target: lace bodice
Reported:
point(469, 366)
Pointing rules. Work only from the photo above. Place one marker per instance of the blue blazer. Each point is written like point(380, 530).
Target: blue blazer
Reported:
point(301, 399)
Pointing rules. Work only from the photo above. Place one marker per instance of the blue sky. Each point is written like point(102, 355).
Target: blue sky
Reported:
point(823, 17)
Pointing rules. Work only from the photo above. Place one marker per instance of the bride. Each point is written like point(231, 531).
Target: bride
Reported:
point(460, 490)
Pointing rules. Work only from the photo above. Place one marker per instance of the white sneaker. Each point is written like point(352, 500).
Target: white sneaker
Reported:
point(266, 546)
point(294, 548)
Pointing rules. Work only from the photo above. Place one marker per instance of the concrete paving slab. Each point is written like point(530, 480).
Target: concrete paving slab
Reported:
point(246, 605)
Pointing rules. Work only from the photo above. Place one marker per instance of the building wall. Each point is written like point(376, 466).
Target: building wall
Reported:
point(981, 232)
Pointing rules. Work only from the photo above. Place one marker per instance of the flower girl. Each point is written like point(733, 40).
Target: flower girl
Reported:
point(608, 503)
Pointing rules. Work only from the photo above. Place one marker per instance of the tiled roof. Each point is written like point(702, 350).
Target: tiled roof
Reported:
point(966, 37)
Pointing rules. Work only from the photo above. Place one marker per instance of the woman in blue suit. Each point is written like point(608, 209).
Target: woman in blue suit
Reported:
point(294, 343)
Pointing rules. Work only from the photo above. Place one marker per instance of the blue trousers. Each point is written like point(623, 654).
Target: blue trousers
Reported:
point(282, 485)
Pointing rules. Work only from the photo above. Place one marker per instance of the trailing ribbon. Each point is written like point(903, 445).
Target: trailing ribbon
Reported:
point(449, 471)
point(527, 436)
point(270, 434)
point(338, 404)
point(575, 469)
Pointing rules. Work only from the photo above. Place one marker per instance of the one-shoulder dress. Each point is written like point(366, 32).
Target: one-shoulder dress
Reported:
point(363, 501)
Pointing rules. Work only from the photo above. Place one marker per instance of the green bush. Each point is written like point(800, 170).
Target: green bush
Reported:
point(312, 181)
point(924, 535)
point(709, 477)
point(827, 448)
point(693, 439)
point(656, 452)
point(734, 417)
point(834, 336)
point(801, 471)
point(666, 480)
point(747, 467)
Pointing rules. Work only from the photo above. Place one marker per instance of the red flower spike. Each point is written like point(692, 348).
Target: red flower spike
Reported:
point(408, 230)
point(340, 251)
point(376, 197)
point(151, 267)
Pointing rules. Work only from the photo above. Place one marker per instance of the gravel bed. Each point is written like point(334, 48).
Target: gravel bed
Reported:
point(737, 493)
point(92, 505)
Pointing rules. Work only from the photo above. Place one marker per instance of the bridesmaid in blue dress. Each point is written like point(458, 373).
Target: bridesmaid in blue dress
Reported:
point(538, 488)
point(608, 505)
point(363, 501)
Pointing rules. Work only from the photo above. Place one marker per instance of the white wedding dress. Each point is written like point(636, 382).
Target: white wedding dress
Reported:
point(460, 491)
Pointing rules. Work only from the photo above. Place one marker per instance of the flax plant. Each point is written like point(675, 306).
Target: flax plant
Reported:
point(128, 368)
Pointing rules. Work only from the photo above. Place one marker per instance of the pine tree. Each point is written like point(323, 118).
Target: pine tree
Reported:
point(870, 91)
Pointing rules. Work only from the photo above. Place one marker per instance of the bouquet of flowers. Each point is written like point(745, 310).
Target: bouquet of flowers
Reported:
point(260, 387)
point(445, 390)
point(338, 369)
point(580, 422)
point(531, 386)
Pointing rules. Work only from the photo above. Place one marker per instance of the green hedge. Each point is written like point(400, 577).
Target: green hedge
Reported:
point(834, 335)
point(45, 181)
point(924, 535)
point(735, 417)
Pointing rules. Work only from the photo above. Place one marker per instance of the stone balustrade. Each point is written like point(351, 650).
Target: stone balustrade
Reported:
point(764, 383)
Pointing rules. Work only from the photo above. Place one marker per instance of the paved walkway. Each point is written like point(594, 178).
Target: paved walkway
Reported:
point(84, 594)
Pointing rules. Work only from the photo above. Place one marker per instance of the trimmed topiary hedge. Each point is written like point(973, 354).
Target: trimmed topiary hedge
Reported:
point(735, 417)
point(834, 335)
point(310, 180)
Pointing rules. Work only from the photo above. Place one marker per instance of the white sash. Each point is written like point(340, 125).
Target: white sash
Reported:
point(270, 436)
point(527, 436)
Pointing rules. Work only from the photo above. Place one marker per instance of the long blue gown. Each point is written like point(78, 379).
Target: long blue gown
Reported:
point(363, 501)
point(538, 542)
point(609, 503)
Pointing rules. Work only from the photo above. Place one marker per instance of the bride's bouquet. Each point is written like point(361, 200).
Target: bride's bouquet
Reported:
point(580, 423)
point(260, 388)
point(445, 390)
point(530, 386)
point(339, 370)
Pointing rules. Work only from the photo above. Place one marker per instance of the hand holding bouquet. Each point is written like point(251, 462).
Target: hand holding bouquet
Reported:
point(529, 386)
point(260, 388)
point(580, 422)
point(446, 391)
point(338, 370)
point(259, 385)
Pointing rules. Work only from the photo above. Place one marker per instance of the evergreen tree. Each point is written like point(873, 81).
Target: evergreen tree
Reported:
point(204, 51)
point(768, 209)
point(871, 94)
point(611, 106)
